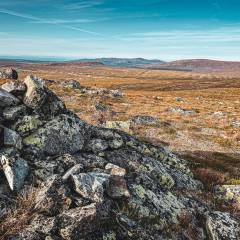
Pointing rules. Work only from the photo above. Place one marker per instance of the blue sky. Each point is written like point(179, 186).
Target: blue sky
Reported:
point(163, 29)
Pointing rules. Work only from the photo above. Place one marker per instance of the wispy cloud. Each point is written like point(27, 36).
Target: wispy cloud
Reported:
point(82, 5)
point(67, 21)
point(223, 34)
point(58, 22)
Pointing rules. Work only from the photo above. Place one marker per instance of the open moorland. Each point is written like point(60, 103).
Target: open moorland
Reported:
point(196, 114)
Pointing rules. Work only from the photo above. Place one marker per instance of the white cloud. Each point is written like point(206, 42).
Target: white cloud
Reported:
point(82, 5)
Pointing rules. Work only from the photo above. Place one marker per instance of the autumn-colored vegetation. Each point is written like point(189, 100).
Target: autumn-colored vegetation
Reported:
point(209, 136)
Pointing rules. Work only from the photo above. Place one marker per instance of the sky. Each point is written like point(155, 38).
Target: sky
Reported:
point(154, 29)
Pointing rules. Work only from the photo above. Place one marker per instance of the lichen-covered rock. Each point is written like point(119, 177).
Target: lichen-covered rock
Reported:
point(52, 106)
point(7, 99)
point(162, 207)
point(16, 170)
point(43, 224)
point(73, 84)
point(8, 73)
point(221, 226)
point(144, 120)
point(120, 125)
point(12, 139)
point(230, 194)
point(12, 113)
point(53, 196)
point(90, 185)
point(26, 125)
point(63, 134)
point(97, 145)
point(77, 223)
point(35, 95)
point(26, 234)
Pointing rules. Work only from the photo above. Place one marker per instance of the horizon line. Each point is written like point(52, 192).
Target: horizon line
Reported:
point(68, 58)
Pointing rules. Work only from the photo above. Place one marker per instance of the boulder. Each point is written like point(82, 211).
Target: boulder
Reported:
point(63, 134)
point(43, 225)
point(116, 93)
point(26, 234)
point(120, 125)
point(26, 125)
point(144, 120)
point(77, 223)
point(12, 113)
point(73, 84)
point(12, 139)
point(90, 185)
point(8, 73)
point(97, 145)
point(16, 88)
point(53, 197)
point(7, 99)
point(52, 107)
point(222, 226)
point(35, 95)
point(117, 187)
point(115, 170)
point(16, 170)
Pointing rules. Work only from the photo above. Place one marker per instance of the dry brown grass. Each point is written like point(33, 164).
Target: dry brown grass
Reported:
point(207, 139)
point(20, 215)
point(210, 177)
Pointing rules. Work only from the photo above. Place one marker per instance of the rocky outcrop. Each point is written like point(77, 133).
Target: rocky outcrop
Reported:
point(8, 73)
point(95, 183)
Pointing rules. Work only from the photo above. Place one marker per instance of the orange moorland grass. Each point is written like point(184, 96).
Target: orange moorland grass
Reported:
point(207, 138)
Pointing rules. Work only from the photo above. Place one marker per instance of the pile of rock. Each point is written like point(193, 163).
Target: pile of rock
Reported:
point(72, 84)
point(94, 183)
point(102, 91)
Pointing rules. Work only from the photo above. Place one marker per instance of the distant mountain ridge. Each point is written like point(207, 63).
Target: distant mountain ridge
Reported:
point(179, 65)
point(198, 65)
point(124, 62)
point(111, 62)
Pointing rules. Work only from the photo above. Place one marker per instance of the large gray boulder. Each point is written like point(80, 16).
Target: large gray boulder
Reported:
point(63, 134)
